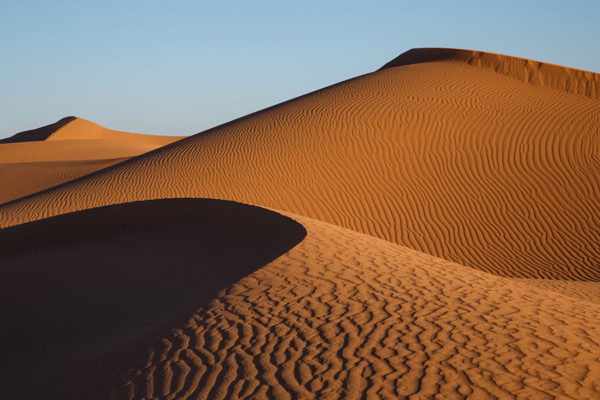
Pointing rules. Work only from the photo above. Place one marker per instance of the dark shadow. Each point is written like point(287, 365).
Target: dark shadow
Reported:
point(77, 287)
point(38, 134)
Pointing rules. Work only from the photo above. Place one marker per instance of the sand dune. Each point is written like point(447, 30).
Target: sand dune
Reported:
point(446, 156)
point(346, 315)
point(404, 219)
point(34, 160)
point(107, 279)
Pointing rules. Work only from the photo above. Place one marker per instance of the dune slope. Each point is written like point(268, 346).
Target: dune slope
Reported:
point(70, 148)
point(446, 156)
point(77, 289)
point(346, 315)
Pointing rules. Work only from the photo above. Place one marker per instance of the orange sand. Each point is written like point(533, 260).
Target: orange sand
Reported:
point(488, 163)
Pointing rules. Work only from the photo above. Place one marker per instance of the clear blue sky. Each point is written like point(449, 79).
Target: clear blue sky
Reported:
point(179, 67)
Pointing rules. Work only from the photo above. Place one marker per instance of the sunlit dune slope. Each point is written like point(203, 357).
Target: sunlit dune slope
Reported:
point(346, 315)
point(72, 147)
point(78, 289)
point(20, 179)
point(446, 156)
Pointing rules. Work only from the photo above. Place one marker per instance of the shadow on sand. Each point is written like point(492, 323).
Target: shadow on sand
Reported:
point(79, 287)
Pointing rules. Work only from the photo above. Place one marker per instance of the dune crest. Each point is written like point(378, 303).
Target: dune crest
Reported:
point(537, 73)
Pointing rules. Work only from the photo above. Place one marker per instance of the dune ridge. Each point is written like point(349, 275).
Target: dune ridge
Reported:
point(444, 157)
point(537, 73)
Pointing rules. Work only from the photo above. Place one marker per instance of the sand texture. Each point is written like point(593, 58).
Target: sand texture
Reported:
point(430, 230)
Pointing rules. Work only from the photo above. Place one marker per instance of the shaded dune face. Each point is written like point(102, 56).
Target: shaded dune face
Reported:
point(78, 289)
point(442, 155)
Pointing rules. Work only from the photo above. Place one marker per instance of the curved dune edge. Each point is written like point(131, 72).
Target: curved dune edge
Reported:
point(537, 73)
point(459, 162)
point(346, 315)
point(78, 289)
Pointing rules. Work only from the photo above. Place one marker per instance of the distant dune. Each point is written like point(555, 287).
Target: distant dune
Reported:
point(34, 160)
point(427, 230)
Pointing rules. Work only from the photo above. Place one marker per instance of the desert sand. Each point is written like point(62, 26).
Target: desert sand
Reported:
point(428, 230)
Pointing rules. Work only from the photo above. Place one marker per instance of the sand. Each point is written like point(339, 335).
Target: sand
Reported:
point(35, 160)
point(450, 202)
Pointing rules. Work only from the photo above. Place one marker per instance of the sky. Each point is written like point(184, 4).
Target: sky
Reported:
point(180, 67)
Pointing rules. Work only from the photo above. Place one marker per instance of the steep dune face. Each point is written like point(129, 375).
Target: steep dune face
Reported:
point(444, 155)
point(77, 289)
point(344, 315)
point(70, 148)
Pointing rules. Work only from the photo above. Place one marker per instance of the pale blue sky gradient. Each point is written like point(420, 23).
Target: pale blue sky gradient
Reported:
point(179, 67)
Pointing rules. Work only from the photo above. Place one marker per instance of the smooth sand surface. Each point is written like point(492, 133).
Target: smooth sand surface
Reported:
point(445, 157)
point(434, 194)
point(35, 160)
